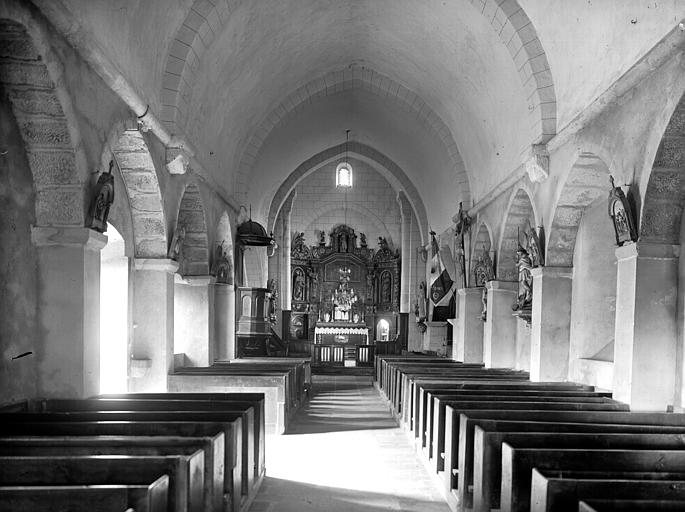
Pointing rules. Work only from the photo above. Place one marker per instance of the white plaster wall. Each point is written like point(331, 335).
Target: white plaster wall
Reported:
point(191, 323)
point(372, 206)
point(593, 303)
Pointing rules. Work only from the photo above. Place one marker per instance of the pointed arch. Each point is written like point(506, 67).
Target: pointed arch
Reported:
point(520, 212)
point(137, 169)
point(191, 215)
point(483, 240)
point(587, 181)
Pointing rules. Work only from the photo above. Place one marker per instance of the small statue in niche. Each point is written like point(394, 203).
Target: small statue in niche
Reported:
point(535, 246)
point(362, 240)
point(298, 242)
point(383, 244)
point(102, 201)
point(343, 243)
point(176, 249)
point(298, 284)
point(525, 291)
point(273, 289)
point(322, 238)
point(222, 266)
point(621, 214)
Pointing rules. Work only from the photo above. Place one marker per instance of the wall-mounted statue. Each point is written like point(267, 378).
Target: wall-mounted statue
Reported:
point(462, 226)
point(525, 292)
point(176, 248)
point(621, 215)
point(102, 200)
point(483, 270)
point(362, 240)
point(272, 285)
point(421, 307)
point(299, 285)
point(222, 268)
point(299, 249)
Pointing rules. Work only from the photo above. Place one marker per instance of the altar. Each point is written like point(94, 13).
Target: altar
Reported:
point(341, 333)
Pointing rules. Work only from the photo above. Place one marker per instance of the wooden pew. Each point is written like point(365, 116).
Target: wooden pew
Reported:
point(212, 447)
point(257, 400)
point(488, 450)
point(186, 474)
point(193, 429)
point(631, 506)
point(253, 438)
point(86, 498)
point(518, 463)
point(560, 491)
point(459, 445)
point(432, 434)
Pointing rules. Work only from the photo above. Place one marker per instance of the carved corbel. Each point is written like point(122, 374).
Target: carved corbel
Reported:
point(176, 160)
point(537, 164)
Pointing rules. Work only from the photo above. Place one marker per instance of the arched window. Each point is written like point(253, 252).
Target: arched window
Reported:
point(343, 175)
point(383, 330)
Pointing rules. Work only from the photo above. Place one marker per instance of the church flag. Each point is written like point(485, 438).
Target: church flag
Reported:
point(440, 282)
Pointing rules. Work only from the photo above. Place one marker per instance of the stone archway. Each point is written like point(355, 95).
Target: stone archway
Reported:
point(587, 181)
point(191, 216)
point(482, 242)
point(520, 214)
point(137, 169)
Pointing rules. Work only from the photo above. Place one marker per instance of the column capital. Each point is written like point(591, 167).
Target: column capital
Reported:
point(463, 292)
point(552, 272)
point(502, 285)
point(157, 264)
point(194, 280)
point(647, 250)
point(64, 236)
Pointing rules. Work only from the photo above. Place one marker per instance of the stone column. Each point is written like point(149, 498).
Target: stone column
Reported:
point(467, 341)
point(69, 311)
point(551, 323)
point(152, 354)
point(435, 338)
point(192, 325)
point(405, 241)
point(646, 329)
point(284, 257)
point(222, 313)
point(499, 331)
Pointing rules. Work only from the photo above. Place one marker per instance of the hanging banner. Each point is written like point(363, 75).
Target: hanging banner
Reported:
point(440, 280)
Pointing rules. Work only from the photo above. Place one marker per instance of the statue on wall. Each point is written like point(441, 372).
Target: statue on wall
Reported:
point(362, 240)
point(420, 308)
point(483, 270)
point(299, 249)
point(103, 198)
point(621, 215)
point(462, 226)
point(383, 244)
point(222, 266)
point(298, 285)
point(484, 301)
point(273, 289)
point(525, 277)
point(322, 238)
point(176, 249)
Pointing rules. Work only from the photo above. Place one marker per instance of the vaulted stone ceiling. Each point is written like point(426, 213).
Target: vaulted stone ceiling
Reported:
point(454, 92)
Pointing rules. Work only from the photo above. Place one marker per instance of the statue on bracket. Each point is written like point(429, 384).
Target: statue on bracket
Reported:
point(176, 249)
point(102, 201)
point(273, 289)
point(421, 308)
point(362, 240)
point(222, 266)
point(462, 226)
point(527, 258)
point(621, 215)
point(299, 248)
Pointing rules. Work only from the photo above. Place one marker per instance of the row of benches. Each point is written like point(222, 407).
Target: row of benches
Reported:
point(285, 383)
point(498, 441)
point(155, 452)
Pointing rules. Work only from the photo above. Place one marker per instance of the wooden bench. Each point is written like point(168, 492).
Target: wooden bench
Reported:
point(253, 435)
point(559, 491)
point(257, 400)
point(631, 505)
point(212, 447)
point(488, 450)
point(232, 452)
point(518, 463)
point(185, 472)
point(86, 498)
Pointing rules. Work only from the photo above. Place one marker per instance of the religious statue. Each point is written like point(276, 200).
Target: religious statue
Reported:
point(535, 246)
point(484, 301)
point(273, 289)
point(176, 249)
point(322, 238)
point(222, 266)
point(298, 285)
point(621, 214)
point(383, 244)
point(102, 201)
point(299, 249)
point(298, 242)
point(483, 270)
point(525, 292)
point(420, 308)
point(362, 239)
point(343, 243)
point(462, 226)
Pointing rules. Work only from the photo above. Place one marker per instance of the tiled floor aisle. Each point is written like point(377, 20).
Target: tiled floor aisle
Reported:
point(345, 453)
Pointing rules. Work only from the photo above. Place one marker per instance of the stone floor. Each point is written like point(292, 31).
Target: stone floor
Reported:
point(345, 452)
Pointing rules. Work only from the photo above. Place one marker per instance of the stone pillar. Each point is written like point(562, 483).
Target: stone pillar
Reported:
point(405, 241)
point(284, 256)
point(551, 323)
point(152, 354)
point(192, 325)
point(435, 338)
point(499, 331)
point(68, 311)
point(222, 313)
point(467, 341)
point(646, 329)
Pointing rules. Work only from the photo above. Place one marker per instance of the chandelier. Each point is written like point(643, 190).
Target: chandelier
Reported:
point(343, 297)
